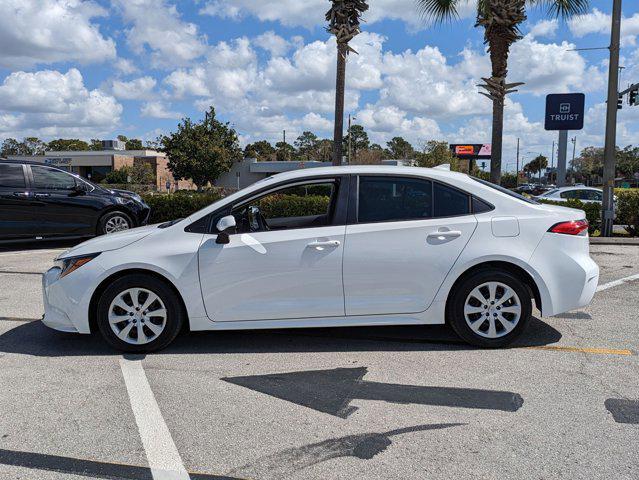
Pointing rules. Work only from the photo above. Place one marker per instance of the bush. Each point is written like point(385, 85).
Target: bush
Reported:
point(275, 206)
point(165, 206)
point(592, 211)
point(116, 176)
point(628, 210)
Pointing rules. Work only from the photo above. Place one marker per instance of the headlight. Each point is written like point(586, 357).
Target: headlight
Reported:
point(68, 265)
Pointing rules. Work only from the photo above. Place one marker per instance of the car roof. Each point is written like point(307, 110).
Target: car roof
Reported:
point(577, 187)
point(26, 162)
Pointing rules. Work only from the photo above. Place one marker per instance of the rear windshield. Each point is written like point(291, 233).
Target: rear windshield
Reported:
point(506, 191)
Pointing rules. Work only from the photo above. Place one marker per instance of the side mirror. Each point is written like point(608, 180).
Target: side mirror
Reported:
point(225, 224)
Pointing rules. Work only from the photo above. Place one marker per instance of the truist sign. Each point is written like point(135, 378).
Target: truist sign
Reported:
point(565, 111)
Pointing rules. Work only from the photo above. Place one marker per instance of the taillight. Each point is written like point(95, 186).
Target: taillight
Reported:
point(575, 227)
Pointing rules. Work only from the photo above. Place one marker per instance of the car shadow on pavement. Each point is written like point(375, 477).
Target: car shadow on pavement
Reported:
point(34, 338)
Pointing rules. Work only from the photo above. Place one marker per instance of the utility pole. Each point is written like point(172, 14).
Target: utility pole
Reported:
point(350, 140)
point(517, 168)
point(608, 208)
point(284, 135)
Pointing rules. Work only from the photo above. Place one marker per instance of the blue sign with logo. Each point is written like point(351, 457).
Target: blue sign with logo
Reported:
point(565, 111)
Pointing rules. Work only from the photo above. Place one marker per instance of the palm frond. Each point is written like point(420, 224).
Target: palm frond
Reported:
point(439, 11)
point(563, 9)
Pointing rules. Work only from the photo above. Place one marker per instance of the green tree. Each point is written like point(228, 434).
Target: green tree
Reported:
point(306, 145)
point(536, 165)
point(343, 21)
point(66, 144)
point(95, 144)
point(399, 149)
point(284, 151)
point(325, 149)
point(359, 141)
point(201, 151)
point(436, 153)
point(500, 20)
point(11, 147)
point(262, 150)
point(134, 144)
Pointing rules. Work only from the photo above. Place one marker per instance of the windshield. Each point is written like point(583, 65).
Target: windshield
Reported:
point(506, 191)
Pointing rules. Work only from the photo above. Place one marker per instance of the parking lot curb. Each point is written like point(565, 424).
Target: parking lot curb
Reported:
point(613, 241)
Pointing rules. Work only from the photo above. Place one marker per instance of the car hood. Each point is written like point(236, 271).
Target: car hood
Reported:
point(112, 241)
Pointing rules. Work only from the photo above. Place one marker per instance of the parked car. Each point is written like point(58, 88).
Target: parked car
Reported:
point(582, 193)
point(329, 247)
point(43, 202)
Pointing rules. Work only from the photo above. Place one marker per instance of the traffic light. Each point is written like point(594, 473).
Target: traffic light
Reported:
point(619, 102)
point(632, 97)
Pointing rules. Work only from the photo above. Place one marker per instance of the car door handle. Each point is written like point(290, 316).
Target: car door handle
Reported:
point(42, 195)
point(327, 244)
point(448, 234)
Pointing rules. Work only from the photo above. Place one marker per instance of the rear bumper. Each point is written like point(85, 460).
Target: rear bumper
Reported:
point(569, 274)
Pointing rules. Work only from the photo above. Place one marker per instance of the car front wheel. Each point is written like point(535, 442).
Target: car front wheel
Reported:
point(139, 313)
point(490, 309)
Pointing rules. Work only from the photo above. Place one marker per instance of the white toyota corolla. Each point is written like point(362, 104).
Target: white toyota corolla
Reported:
point(328, 247)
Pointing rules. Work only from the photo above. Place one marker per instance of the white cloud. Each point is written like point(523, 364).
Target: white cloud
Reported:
point(137, 89)
point(544, 28)
point(48, 103)
point(156, 109)
point(600, 23)
point(48, 31)
point(158, 27)
point(273, 43)
point(310, 13)
point(126, 66)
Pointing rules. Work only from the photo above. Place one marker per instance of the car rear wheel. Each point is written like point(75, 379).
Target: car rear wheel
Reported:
point(114, 222)
point(139, 313)
point(490, 309)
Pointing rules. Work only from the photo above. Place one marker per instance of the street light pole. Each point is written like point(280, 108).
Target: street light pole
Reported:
point(608, 208)
point(350, 139)
point(517, 168)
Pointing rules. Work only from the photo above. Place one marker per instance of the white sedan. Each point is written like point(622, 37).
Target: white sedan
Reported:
point(582, 193)
point(329, 247)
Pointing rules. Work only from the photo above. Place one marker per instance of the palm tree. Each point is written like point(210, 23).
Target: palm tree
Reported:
point(343, 21)
point(501, 20)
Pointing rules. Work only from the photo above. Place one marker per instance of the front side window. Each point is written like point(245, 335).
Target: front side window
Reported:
point(49, 179)
point(590, 195)
point(11, 176)
point(300, 206)
point(570, 194)
point(386, 199)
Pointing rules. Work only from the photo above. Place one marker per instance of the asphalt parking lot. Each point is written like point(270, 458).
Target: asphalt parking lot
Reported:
point(365, 403)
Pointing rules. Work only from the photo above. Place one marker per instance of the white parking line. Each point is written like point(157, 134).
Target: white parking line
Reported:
point(164, 459)
point(616, 283)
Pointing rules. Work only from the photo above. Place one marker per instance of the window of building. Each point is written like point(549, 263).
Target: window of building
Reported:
point(11, 176)
point(384, 199)
point(50, 179)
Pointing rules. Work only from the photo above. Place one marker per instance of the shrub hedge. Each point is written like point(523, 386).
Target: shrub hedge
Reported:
point(165, 206)
point(628, 210)
point(592, 211)
point(293, 205)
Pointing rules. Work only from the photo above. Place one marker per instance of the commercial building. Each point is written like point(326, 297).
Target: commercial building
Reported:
point(248, 171)
point(95, 164)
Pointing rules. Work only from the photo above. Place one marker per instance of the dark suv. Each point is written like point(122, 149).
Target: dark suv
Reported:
point(39, 201)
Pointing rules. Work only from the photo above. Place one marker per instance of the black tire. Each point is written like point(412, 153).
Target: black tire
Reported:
point(111, 216)
point(174, 313)
point(455, 311)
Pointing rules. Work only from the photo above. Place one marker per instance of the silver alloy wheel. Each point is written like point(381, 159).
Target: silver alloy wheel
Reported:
point(137, 316)
point(492, 310)
point(116, 223)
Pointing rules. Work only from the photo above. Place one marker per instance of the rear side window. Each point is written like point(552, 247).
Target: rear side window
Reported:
point(450, 202)
point(11, 176)
point(384, 199)
point(50, 179)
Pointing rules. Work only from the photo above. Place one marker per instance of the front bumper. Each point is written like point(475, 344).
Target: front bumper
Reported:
point(66, 300)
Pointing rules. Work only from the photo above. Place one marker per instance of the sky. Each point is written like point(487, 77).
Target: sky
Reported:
point(100, 68)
